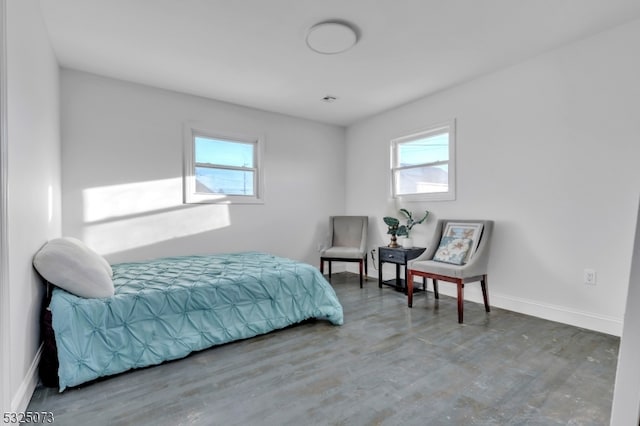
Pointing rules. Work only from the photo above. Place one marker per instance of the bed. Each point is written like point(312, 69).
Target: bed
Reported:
point(166, 308)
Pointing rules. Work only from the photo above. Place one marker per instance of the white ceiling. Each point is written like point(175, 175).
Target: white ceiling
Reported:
point(253, 52)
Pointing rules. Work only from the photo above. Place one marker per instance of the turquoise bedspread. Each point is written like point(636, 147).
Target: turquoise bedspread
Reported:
point(167, 308)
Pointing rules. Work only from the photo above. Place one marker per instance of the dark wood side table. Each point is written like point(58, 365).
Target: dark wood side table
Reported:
point(400, 256)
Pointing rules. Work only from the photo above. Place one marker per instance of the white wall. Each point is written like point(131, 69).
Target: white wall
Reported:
point(626, 395)
point(122, 168)
point(5, 334)
point(549, 150)
point(33, 183)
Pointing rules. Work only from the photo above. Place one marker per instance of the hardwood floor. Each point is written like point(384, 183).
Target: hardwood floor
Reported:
point(387, 365)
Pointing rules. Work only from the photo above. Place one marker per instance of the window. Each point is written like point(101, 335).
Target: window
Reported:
point(423, 164)
point(221, 168)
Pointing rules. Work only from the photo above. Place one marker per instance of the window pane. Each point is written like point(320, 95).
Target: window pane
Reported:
point(424, 150)
point(224, 153)
point(224, 181)
point(422, 180)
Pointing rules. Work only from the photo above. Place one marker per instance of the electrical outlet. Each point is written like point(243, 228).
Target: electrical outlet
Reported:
point(589, 277)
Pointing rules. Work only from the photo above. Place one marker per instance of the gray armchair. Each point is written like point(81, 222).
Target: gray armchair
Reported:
point(473, 270)
point(348, 242)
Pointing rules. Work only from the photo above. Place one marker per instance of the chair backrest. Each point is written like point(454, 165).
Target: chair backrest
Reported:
point(349, 231)
point(482, 251)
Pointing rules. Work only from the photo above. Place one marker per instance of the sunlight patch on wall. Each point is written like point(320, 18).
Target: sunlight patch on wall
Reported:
point(125, 234)
point(127, 216)
point(126, 199)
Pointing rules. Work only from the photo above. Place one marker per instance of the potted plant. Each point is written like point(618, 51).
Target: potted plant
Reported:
point(393, 225)
point(404, 230)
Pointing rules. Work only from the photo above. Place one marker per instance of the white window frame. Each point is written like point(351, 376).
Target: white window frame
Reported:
point(193, 130)
point(446, 127)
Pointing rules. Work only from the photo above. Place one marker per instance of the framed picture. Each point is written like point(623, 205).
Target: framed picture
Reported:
point(471, 231)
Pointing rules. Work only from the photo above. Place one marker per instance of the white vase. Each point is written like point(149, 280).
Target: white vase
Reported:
point(407, 243)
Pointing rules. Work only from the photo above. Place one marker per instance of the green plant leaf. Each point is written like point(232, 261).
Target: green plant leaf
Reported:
point(406, 212)
point(391, 221)
point(426, 214)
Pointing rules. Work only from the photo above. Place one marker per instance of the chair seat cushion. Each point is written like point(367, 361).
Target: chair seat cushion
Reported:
point(343, 253)
point(438, 268)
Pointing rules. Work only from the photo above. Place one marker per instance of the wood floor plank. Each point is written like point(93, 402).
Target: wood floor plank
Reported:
point(387, 365)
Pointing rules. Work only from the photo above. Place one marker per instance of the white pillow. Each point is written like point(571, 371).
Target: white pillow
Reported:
point(69, 264)
point(83, 246)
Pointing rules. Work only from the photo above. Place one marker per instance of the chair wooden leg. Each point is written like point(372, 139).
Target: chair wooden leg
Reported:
point(360, 270)
point(460, 301)
point(410, 289)
point(485, 295)
point(329, 270)
point(460, 284)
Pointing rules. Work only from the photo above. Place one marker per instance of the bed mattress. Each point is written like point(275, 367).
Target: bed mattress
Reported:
point(166, 308)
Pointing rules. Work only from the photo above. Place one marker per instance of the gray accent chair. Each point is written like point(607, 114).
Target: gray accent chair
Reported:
point(348, 242)
point(475, 270)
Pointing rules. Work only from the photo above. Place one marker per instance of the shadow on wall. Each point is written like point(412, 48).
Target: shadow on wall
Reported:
point(378, 236)
point(118, 218)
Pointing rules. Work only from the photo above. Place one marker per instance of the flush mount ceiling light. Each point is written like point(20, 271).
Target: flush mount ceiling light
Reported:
point(331, 37)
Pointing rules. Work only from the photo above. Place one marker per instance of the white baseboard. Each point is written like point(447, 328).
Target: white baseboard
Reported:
point(588, 320)
point(562, 314)
point(21, 399)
